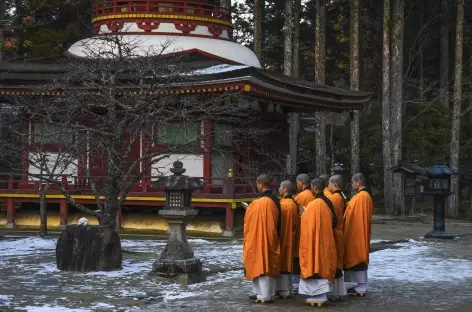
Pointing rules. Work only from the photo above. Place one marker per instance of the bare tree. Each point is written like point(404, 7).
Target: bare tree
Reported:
point(397, 99)
point(320, 72)
point(453, 209)
point(386, 109)
point(355, 81)
point(121, 117)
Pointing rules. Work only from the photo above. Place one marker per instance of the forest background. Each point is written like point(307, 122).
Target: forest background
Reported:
point(414, 56)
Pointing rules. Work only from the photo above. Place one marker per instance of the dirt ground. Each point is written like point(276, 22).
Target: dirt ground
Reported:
point(408, 273)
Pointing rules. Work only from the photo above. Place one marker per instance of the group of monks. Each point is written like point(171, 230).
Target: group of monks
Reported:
point(309, 240)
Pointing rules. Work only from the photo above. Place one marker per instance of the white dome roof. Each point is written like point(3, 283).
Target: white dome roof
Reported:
point(149, 45)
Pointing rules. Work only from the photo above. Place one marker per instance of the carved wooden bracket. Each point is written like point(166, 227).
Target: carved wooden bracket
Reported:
point(215, 30)
point(185, 28)
point(114, 26)
point(147, 26)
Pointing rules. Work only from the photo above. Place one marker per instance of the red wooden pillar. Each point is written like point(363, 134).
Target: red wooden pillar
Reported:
point(229, 223)
point(10, 214)
point(63, 212)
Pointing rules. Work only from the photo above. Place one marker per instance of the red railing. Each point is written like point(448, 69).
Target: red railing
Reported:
point(214, 187)
point(168, 7)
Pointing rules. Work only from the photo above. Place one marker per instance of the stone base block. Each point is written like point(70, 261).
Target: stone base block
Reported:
point(228, 234)
point(185, 272)
point(88, 248)
point(10, 225)
point(61, 227)
point(439, 234)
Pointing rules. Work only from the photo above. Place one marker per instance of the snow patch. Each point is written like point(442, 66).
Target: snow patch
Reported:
point(102, 305)
point(128, 268)
point(5, 300)
point(25, 246)
point(414, 263)
point(49, 308)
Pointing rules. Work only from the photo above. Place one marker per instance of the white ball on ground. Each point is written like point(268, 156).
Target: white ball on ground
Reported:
point(83, 221)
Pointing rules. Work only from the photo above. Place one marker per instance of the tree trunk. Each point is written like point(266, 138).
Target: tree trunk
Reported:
point(386, 126)
point(453, 209)
point(320, 120)
point(258, 6)
point(2, 17)
point(354, 73)
point(444, 53)
point(397, 100)
point(43, 213)
point(421, 56)
point(296, 38)
point(288, 31)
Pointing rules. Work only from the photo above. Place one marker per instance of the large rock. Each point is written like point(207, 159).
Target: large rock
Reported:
point(88, 248)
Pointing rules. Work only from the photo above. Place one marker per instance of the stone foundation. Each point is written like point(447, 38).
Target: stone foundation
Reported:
point(184, 272)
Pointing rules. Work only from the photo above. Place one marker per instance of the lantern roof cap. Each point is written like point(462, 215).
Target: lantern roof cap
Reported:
point(410, 167)
point(439, 170)
point(178, 181)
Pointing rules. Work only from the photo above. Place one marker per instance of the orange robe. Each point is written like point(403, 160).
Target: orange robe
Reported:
point(357, 229)
point(317, 246)
point(261, 249)
point(303, 199)
point(288, 230)
point(327, 192)
point(338, 203)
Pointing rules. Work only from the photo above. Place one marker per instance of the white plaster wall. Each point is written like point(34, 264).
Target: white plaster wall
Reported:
point(65, 167)
point(192, 162)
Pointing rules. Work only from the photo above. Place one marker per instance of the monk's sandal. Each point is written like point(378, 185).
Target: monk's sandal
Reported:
point(353, 292)
point(315, 304)
point(254, 299)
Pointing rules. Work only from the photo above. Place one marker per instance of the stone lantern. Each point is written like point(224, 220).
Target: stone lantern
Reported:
point(177, 261)
point(438, 184)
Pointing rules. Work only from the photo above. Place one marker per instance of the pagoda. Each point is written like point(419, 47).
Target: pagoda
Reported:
point(201, 32)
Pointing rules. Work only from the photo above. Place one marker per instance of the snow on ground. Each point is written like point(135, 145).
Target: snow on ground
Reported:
point(415, 263)
point(31, 281)
point(50, 308)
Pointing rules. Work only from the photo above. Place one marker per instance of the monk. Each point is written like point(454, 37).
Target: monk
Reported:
point(261, 249)
point(317, 247)
point(303, 198)
point(290, 223)
point(357, 229)
point(326, 191)
point(339, 203)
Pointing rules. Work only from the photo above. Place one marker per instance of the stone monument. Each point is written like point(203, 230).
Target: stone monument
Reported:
point(177, 261)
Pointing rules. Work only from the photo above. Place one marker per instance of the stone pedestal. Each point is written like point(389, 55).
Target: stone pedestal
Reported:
point(177, 261)
point(10, 225)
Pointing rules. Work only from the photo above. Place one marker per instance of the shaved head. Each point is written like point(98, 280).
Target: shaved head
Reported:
point(319, 183)
point(359, 178)
point(265, 180)
point(337, 180)
point(325, 177)
point(287, 185)
point(304, 178)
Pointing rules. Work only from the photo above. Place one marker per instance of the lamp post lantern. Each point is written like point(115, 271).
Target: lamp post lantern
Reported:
point(439, 185)
point(177, 261)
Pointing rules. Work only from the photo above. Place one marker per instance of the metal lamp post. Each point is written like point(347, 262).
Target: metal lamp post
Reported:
point(177, 261)
point(439, 186)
